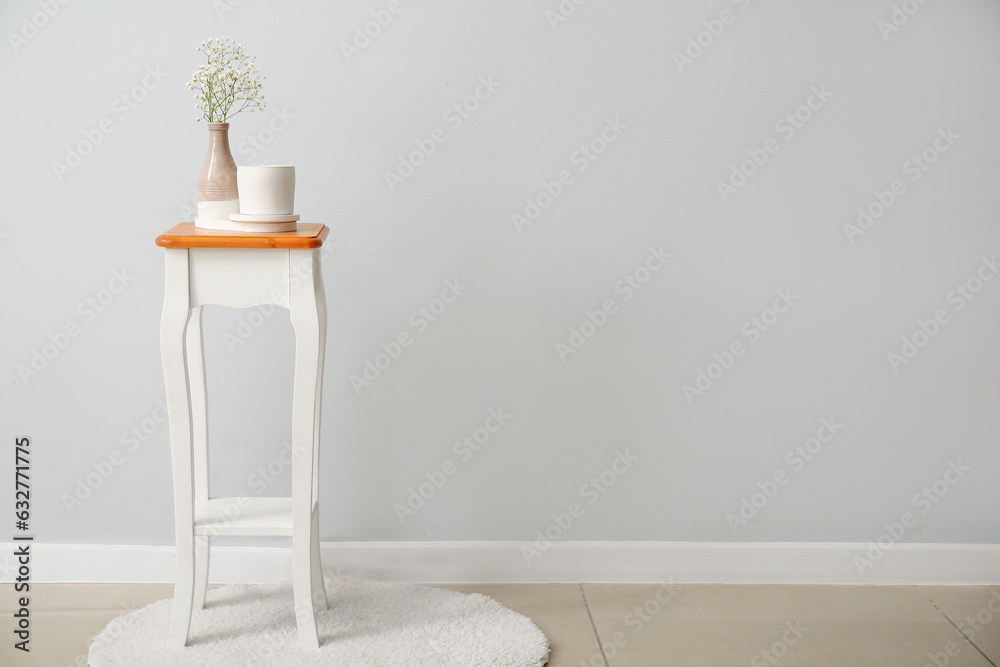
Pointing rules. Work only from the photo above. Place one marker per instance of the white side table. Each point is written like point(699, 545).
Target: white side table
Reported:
point(242, 270)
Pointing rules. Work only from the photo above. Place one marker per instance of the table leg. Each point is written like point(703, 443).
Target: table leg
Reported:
point(304, 310)
point(318, 584)
point(195, 349)
point(176, 302)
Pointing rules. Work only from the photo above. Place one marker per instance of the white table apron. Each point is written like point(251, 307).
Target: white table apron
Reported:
point(242, 278)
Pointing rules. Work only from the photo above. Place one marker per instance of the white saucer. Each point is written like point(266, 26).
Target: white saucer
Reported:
point(262, 217)
point(263, 223)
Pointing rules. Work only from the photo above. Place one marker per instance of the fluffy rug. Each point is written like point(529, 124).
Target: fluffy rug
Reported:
point(369, 623)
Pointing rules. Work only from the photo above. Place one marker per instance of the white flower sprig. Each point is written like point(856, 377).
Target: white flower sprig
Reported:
point(228, 80)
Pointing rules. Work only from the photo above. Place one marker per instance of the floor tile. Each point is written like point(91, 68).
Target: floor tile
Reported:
point(58, 639)
point(66, 617)
point(557, 609)
point(975, 610)
point(87, 597)
point(640, 625)
point(791, 626)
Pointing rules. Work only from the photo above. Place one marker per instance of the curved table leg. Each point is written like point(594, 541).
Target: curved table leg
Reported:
point(173, 325)
point(304, 310)
point(195, 348)
point(318, 585)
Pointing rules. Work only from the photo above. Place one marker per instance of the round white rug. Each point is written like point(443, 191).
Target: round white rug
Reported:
point(381, 624)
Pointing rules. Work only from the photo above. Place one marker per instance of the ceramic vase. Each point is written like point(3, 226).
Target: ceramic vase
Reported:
point(218, 195)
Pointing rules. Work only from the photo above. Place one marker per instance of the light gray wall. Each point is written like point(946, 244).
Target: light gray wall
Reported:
point(345, 123)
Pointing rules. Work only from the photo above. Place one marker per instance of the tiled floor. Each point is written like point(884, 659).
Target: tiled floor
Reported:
point(640, 625)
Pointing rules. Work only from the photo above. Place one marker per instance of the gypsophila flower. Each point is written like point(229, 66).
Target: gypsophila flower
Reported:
point(228, 84)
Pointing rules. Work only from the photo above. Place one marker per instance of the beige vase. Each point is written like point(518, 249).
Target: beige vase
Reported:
point(218, 196)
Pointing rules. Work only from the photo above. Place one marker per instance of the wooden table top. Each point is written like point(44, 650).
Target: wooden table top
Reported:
point(186, 235)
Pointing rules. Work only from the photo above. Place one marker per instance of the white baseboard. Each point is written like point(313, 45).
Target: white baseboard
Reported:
point(505, 562)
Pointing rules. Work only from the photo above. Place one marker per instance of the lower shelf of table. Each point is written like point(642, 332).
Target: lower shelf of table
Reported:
point(244, 516)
